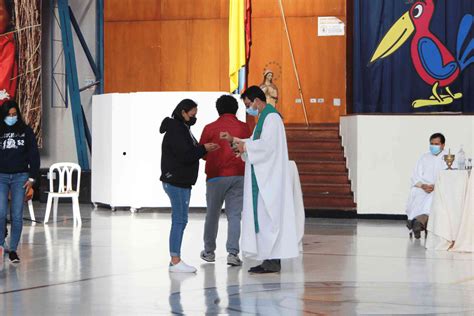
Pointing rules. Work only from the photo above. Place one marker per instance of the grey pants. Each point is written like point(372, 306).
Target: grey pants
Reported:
point(230, 190)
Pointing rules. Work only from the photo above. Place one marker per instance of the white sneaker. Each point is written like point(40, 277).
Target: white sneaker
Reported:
point(181, 267)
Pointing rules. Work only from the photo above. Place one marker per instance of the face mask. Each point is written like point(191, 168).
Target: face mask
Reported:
point(251, 111)
point(435, 149)
point(11, 120)
point(192, 121)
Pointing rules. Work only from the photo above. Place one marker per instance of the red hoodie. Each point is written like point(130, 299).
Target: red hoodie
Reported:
point(222, 162)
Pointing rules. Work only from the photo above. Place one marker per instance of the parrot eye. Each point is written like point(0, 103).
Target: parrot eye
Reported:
point(417, 11)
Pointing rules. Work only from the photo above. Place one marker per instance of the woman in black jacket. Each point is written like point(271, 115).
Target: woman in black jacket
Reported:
point(180, 157)
point(19, 166)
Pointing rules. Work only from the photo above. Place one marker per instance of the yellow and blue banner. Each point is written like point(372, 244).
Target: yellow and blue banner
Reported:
point(237, 44)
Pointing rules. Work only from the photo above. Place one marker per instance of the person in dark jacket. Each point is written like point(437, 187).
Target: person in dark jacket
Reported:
point(19, 166)
point(180, 157)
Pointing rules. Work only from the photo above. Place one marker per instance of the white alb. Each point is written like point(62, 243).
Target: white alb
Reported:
point(278, 218)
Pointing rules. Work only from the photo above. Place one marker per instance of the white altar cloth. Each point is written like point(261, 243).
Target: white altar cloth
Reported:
point(447, 209)
point(465, 238)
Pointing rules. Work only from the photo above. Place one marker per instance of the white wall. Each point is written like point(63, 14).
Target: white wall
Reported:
point(58, 130)
point(348, 133)
point(127, 146)
point(381, 152)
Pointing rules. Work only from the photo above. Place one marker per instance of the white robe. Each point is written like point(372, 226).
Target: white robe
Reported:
point(426, 172)
point(278, 235)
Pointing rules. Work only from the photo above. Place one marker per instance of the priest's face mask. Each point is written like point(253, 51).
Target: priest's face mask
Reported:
point(252, 108)
point(436, 146)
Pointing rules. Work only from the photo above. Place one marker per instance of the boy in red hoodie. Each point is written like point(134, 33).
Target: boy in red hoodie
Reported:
point(225, 180)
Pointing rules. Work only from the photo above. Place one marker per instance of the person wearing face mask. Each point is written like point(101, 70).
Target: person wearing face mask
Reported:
point(269, 225)
point(19, 166)
point(423, 184)
point(180, 157)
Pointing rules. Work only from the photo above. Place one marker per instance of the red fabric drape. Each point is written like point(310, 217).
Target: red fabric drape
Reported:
point(8, 68)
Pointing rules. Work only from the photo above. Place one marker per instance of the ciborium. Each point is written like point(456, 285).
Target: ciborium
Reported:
point(449, 159)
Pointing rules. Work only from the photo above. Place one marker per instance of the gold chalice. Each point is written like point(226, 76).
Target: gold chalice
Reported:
point(449, 159)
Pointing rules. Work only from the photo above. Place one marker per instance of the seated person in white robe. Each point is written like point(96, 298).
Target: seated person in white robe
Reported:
point(423, 184)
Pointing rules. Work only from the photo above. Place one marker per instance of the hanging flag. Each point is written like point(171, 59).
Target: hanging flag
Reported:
point(237, 43)
point(248, 40)
point(248, 30)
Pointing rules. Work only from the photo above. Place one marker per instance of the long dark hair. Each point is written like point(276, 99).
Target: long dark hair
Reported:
point(185, 105)
point(20, 124)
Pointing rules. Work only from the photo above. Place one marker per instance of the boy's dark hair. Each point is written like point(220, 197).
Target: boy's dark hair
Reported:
point(227, 104)
point(438, 135)
point(252, 93)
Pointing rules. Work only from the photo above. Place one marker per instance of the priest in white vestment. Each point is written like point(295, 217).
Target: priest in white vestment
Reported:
point(423, 181)
point(271, 228)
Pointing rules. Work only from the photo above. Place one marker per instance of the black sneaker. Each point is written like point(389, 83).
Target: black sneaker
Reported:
point(417, 229)
point(256, 268)
point(260, 270)
point(14, 257)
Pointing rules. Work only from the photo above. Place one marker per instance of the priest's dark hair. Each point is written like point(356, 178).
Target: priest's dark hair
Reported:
point(20, 125)
point(438, 135)
point(252, 93)
point(227, 104)
point(185, 105)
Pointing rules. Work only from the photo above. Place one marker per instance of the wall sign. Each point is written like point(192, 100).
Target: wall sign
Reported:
point(330, 26)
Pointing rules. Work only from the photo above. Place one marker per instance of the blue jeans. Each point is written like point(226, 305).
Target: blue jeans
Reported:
point(12, 183)
point(179, 198)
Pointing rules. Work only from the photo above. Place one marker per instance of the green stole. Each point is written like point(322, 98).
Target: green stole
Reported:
point(256, 135)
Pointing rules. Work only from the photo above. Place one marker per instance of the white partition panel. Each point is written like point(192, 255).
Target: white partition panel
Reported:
point(381, 152)
point(126, 149)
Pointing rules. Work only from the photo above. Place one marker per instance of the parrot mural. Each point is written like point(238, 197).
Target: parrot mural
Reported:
point(433, 61)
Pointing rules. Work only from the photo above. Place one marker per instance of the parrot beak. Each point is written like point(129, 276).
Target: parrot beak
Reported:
point(395, 37)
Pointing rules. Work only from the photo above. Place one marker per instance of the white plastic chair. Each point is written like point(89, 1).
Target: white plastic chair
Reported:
point(66, 189)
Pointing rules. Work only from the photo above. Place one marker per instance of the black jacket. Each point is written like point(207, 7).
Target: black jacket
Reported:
point(18, 150)
point(180, 154)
